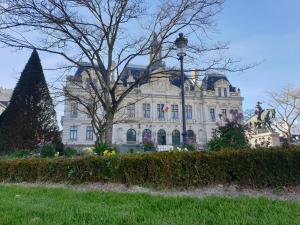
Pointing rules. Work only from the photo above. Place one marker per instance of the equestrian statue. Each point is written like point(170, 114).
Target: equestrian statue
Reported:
point(262, 118)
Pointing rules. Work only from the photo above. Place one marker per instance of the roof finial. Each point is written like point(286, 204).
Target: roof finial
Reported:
point(155, 53)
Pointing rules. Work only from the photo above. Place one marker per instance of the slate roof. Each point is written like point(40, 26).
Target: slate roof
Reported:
point(137, 70)
point(134, 70)
point(83, 67)
point(210, 79)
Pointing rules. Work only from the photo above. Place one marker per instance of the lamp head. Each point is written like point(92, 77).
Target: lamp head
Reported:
point(181, 44)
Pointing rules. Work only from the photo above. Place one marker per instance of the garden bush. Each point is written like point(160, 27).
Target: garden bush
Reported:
point(21, 153)
point(253, 168)
point(70, 152)
point(100, 148)
point(48, 151)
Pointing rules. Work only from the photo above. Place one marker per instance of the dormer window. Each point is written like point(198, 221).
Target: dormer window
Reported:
point(225, 92)
point(74, 110)
point(220, 92)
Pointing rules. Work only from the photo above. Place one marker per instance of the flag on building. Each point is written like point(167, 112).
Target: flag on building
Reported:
point(165, 108)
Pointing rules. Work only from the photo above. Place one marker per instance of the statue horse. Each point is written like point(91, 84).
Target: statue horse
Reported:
point(265, 121)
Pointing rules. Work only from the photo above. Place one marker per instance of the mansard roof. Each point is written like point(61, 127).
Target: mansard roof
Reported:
point(210, 79)
point(83, 67)
point(135, 71)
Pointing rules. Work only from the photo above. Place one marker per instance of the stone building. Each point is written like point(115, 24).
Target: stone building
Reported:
point(5, 95)
point(154, 109)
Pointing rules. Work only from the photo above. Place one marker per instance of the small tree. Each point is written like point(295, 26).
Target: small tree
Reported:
point(30, 118)
point(231, 134)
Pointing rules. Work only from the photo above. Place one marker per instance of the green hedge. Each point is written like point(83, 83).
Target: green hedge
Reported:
point(255, 168)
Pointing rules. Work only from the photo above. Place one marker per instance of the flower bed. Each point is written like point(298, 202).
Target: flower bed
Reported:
point(254, 168)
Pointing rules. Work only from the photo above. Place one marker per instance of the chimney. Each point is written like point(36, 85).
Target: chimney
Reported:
point(194, 76)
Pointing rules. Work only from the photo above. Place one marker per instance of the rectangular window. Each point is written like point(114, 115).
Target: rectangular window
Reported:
point(73, 133)
point(225, 92)
point(89, 133)
point(131, 110)
point(174, 109)
point(146, 110)
point(90, 110)
point(188, 112)
point(74, 110)
point(220, 92)
point(160, 112)
point(224, 113)
point(212, 115)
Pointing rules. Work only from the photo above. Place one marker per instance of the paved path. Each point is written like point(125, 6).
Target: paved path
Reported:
point(291, 193)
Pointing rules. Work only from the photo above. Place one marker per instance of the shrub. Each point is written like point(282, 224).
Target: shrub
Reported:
point(48, 151)
point(70, 152)
point(178, 149)
point(255, 168)
point(21, 153)
point(190, 147)
point(89, 151)
point(230, 133)
point(131, 151)
point(100, 148)
point(148, 146)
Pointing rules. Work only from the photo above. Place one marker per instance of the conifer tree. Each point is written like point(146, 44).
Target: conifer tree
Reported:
point(30, 119)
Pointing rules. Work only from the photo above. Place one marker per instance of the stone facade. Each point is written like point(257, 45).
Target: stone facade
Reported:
point(154, 109)
point(5, 95)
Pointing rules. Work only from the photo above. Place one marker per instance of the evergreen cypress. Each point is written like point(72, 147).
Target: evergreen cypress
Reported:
point(30, 119)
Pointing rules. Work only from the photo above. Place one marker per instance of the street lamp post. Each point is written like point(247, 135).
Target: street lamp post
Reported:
point(181, 44)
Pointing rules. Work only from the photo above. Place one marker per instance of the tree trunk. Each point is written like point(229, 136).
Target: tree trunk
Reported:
point(108, 132)
point(288, 137)
point(103, 132)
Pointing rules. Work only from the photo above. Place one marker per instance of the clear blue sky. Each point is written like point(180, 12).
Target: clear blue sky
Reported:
point(259, 30)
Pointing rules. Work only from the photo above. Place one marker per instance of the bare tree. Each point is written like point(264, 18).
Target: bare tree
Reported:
point(110, 34)
point(286, 102)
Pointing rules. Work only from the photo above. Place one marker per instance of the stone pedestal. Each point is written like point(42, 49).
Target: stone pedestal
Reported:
point(266, 139)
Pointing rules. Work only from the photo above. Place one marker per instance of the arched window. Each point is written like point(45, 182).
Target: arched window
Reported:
point(161, 137)
point(131, 135)
point(175, 137)
point(191, 135)
point(147, 135)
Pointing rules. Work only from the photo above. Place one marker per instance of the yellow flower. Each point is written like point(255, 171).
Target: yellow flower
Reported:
point(108, 153)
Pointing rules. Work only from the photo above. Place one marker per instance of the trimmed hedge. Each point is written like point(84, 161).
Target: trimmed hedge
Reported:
point(254, 168)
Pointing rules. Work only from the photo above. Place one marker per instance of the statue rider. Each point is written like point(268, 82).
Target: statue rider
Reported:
point(258, 111)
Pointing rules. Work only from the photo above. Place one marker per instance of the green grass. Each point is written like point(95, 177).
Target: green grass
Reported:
point(21, 205)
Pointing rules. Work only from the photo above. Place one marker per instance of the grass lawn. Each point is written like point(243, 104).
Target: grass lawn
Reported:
point(21, 205)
